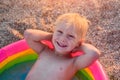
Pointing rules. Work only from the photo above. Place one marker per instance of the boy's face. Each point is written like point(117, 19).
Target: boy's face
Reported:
point(65, 39)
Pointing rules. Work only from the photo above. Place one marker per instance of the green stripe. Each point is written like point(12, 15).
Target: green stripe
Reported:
point(81, 74)
point(84, 75)
point(21, 59)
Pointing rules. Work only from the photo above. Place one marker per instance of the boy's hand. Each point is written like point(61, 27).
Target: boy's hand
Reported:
point(50, 36)
point(88, 48)
point(90, 55)
point(33, 38)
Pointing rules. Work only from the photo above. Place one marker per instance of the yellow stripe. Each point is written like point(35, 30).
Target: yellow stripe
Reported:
point(14, 56)
point(27, 52)
point(89, 72)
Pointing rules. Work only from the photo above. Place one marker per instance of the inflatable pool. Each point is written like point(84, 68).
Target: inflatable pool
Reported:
point(17, 58)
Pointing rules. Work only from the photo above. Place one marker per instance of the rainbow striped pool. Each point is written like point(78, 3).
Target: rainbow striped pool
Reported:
point(17, 58)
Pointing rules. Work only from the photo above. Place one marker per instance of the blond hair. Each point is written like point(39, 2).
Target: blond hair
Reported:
point(80, 23)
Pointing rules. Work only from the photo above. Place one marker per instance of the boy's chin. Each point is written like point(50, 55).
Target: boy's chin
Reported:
point(59, 52)
point(62, 52)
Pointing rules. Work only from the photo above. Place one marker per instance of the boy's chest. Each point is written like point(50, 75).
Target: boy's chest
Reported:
point(55, 62)
point(55, 68)
point(54, 65)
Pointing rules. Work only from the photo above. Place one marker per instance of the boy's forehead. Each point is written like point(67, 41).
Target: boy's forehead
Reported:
point(64, 25)
point(66, 28)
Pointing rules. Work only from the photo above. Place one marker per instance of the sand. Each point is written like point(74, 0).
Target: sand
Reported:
point(104, 33)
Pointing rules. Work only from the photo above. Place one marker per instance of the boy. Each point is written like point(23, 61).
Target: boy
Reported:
point(68, 37)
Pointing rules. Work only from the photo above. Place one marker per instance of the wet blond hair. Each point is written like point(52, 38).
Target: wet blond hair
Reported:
point(75, 20)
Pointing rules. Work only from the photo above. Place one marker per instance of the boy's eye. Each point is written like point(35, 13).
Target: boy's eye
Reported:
point(60, 31)
point(71, 36)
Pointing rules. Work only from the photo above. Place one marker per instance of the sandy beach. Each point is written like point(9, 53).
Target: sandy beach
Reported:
point(104, 32)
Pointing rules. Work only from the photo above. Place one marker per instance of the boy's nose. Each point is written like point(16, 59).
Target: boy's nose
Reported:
point(62, 39)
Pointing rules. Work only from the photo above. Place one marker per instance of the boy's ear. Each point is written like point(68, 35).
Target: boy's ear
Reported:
point(80, 42)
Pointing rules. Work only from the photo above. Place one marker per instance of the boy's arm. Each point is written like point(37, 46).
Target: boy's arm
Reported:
point(33, 38)
point(90, 55)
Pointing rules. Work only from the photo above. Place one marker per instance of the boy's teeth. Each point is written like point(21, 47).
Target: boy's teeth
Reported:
point(61, 45)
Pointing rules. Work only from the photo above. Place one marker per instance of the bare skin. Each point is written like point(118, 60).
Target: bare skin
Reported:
point(55, 64)
point(52, 67)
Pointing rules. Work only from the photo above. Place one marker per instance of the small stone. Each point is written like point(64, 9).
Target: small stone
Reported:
point(99, 28)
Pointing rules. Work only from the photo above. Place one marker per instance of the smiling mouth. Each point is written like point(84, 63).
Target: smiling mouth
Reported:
point(61, 45)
